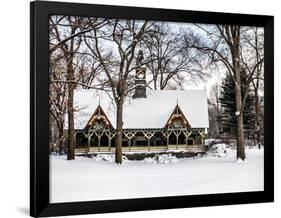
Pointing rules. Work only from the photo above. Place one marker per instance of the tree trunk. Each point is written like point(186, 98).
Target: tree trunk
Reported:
point(256, 89)
point(240, 138)
point(239, 116)
point(218, 117)
point(61, 137)
point(119, 129)
point(155, 82)
point(70, 151)
point(71, 140)
point(257, 108)
point(235, 52)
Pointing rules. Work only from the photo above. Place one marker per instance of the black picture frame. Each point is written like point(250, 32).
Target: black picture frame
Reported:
point(39, 149)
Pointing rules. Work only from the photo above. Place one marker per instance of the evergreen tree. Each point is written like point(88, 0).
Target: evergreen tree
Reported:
point(227, 100)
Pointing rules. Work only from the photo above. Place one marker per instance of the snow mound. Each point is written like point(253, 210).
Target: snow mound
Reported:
point(240, 161)
point(220, 150)
point(108, 158)
point(161, 159)
point(104, 157)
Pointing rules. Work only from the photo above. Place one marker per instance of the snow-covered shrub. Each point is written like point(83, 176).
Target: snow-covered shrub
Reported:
point(219, 150)
point(107, 157)
point(162, 159)
point(149, 160)
point(104, 157)
point(210, 142)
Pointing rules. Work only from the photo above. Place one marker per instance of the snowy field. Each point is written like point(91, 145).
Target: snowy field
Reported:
point(87, 179)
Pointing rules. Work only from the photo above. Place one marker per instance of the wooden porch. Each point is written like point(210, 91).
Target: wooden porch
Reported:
point(142, 149)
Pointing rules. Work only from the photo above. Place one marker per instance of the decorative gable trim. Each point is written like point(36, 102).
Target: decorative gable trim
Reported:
point(177, 114)
point(98, 114)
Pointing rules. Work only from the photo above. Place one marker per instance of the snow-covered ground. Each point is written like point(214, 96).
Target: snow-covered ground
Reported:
point(87, 179)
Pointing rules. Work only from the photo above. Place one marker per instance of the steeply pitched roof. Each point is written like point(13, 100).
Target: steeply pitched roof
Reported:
point(150, 112)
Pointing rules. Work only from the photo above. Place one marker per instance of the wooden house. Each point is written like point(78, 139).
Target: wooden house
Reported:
point(153, 120)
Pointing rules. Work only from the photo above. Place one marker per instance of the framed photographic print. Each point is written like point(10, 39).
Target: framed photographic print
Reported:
point(142, 109)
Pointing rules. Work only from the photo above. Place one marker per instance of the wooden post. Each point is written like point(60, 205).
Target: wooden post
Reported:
point(98, 143)
point(187, 134)
point(177, 134)
point(110, 136)
point(99, 134)
point(166, 135)
point(202, 134)
point(129, 136)
point(109, 141)
point(167, 144)
point(89, 142)
point(148, 135)
point(107, 133)
point(177, 141)
point(186, 140)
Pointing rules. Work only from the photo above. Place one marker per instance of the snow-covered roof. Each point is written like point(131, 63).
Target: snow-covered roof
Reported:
point(150, 112)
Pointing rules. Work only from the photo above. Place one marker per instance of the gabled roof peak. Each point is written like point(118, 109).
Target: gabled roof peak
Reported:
point(99, 114)
point(177, 114)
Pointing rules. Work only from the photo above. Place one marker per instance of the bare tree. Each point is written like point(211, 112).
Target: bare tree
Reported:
point(223, 44)
point(69, 48)
point(66, 36)
point(58, 96)
point(168, 59)
point(115, 46)
point(253, 59)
